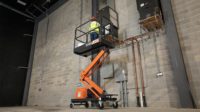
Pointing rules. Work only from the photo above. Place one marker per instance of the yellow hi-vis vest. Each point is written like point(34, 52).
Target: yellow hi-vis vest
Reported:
point(94, 26)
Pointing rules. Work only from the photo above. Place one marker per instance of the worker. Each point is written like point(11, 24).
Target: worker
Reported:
point(94, 28)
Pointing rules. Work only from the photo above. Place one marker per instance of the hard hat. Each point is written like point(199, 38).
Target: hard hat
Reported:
point(93, 18)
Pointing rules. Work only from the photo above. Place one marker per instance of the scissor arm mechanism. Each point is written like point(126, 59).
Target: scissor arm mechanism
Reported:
point(85, 74)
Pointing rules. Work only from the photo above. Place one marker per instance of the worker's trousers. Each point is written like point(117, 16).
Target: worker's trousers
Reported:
point(94, 35)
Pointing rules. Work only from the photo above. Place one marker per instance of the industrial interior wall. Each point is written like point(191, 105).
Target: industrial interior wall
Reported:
point(55, 72)
point(160, 91)
point(56, 69)
point(187, 14)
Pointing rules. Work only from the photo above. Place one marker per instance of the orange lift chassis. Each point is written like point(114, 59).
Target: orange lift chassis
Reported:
point(100, 95)
point(90, 91)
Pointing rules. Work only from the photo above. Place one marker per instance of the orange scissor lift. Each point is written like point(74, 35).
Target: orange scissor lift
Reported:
point(83, 46)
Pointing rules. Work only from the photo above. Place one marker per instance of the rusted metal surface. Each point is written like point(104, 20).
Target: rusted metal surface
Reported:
point(135, 75)
point(140, 37)
point(141, 74)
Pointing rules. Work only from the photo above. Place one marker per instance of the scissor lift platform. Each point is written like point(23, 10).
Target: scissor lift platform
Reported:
point(85, 46)
point(108, 32)
point(93, 46)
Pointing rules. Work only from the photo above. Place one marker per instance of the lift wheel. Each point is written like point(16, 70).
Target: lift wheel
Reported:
point(99, 103)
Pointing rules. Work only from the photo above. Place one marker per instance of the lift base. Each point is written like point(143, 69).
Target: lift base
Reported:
point(99, 102)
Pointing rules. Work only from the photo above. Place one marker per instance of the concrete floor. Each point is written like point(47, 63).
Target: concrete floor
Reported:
point(63, 109)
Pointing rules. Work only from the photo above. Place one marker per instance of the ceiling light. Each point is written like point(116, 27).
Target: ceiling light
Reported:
point(21, 2)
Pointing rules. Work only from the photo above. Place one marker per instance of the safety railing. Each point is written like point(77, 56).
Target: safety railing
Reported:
point(82, 32)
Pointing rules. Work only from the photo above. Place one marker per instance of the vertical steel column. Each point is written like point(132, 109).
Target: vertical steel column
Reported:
point(175, 53)
point(96, 75)
point(95, 7)
point(29, 71)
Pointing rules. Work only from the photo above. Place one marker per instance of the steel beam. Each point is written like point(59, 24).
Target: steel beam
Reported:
point(30, 13)
point(51, 9)
point(38, 8)
point(178, 66)
point(15, 10)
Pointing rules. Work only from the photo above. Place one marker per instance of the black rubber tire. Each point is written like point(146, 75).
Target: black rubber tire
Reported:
point(115, 105)
point(101, 106)
point(86, 105)
point(71, 105)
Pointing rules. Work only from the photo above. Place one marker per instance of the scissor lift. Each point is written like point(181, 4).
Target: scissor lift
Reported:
point(83, 46)
point(99, 95)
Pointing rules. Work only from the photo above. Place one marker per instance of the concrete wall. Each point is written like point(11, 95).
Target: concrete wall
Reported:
point(187, 13)
point(159, 91)
point(56, 69)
